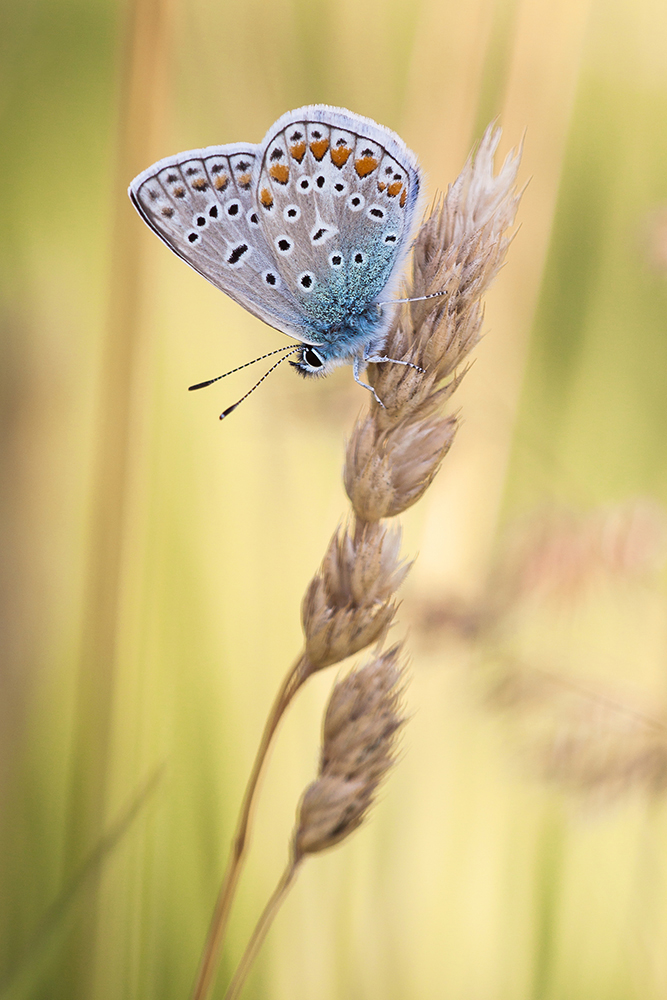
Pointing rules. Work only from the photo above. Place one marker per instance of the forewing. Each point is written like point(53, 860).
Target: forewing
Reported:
point(202, 204)
point(337, 197)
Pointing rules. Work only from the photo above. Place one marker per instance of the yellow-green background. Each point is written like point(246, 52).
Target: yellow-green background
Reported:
point(153, 560)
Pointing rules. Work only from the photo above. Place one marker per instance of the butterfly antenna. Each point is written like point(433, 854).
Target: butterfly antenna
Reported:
point(225, 413)
point(210, 381)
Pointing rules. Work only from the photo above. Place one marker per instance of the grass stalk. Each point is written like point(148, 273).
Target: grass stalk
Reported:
point(261, 929)
point(216, 934)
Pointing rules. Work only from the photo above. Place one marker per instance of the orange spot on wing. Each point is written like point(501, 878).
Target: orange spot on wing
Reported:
point(221, 182)
point(280, 173)
point(366, 165)
point(266, 198)
point(318, 148)
point(244, 180)
point(179, 192)
point(200, 184)
point(168, 211)
point(381, 185)
point(394, 188)
point(340, 155)
point(404, 198)
point(298, 151)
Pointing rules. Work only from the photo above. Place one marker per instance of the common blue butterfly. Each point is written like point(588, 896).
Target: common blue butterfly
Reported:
point(307, 230)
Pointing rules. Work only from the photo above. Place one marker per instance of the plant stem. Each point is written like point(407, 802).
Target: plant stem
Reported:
point(213, 946)
point(260, 931)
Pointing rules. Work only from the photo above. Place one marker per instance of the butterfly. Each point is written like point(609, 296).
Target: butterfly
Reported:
point(308, 230)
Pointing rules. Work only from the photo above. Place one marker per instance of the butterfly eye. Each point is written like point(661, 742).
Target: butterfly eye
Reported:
point(312, 358)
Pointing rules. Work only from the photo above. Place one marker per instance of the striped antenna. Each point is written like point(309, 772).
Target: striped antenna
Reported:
point(210, 381)
point(230, 409)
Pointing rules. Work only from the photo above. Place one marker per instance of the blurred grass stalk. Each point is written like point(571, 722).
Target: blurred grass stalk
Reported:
point(143, 105)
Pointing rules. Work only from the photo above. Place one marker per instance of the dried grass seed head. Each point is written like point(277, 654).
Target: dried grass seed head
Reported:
point(458, 251)
point(599, 748)
point(559, 552)
point(348, 604)
point(584, 737)
point(360, 728)
point(330, 810)
point(387, 471)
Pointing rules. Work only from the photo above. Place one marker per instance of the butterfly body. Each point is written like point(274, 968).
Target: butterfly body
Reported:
point(307, 230)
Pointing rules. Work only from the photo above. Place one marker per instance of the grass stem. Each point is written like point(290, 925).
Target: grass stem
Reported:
point(211, 953)
point(261, 929)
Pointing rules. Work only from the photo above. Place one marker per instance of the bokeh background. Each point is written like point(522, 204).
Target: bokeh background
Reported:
point(153, 560)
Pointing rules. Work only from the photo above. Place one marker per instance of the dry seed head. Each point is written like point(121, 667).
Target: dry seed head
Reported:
point(459, 250)
point(602, 749)
point(559, 552)
point(360, 728)
point(385, 473)
point(348, 604)
point(330, 810)
point(480, 200)
point(586, 739)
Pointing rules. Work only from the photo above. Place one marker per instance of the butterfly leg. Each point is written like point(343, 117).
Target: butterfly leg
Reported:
point(356, 368)
point(394, 361)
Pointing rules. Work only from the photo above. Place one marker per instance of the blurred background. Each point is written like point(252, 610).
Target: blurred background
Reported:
point(153, 560)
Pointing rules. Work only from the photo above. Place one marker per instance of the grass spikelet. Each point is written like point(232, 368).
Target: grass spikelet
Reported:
point(348, 604)
point(359, 735)
point(457, 254)
point(559, 553)
point(396, 449)
point(584, 738)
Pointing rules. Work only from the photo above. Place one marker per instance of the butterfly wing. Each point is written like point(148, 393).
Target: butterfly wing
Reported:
point(202, 204)
point(304, 230)
point(337, 197)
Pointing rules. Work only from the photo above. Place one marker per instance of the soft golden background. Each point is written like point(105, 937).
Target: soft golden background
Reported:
point(153, 560)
